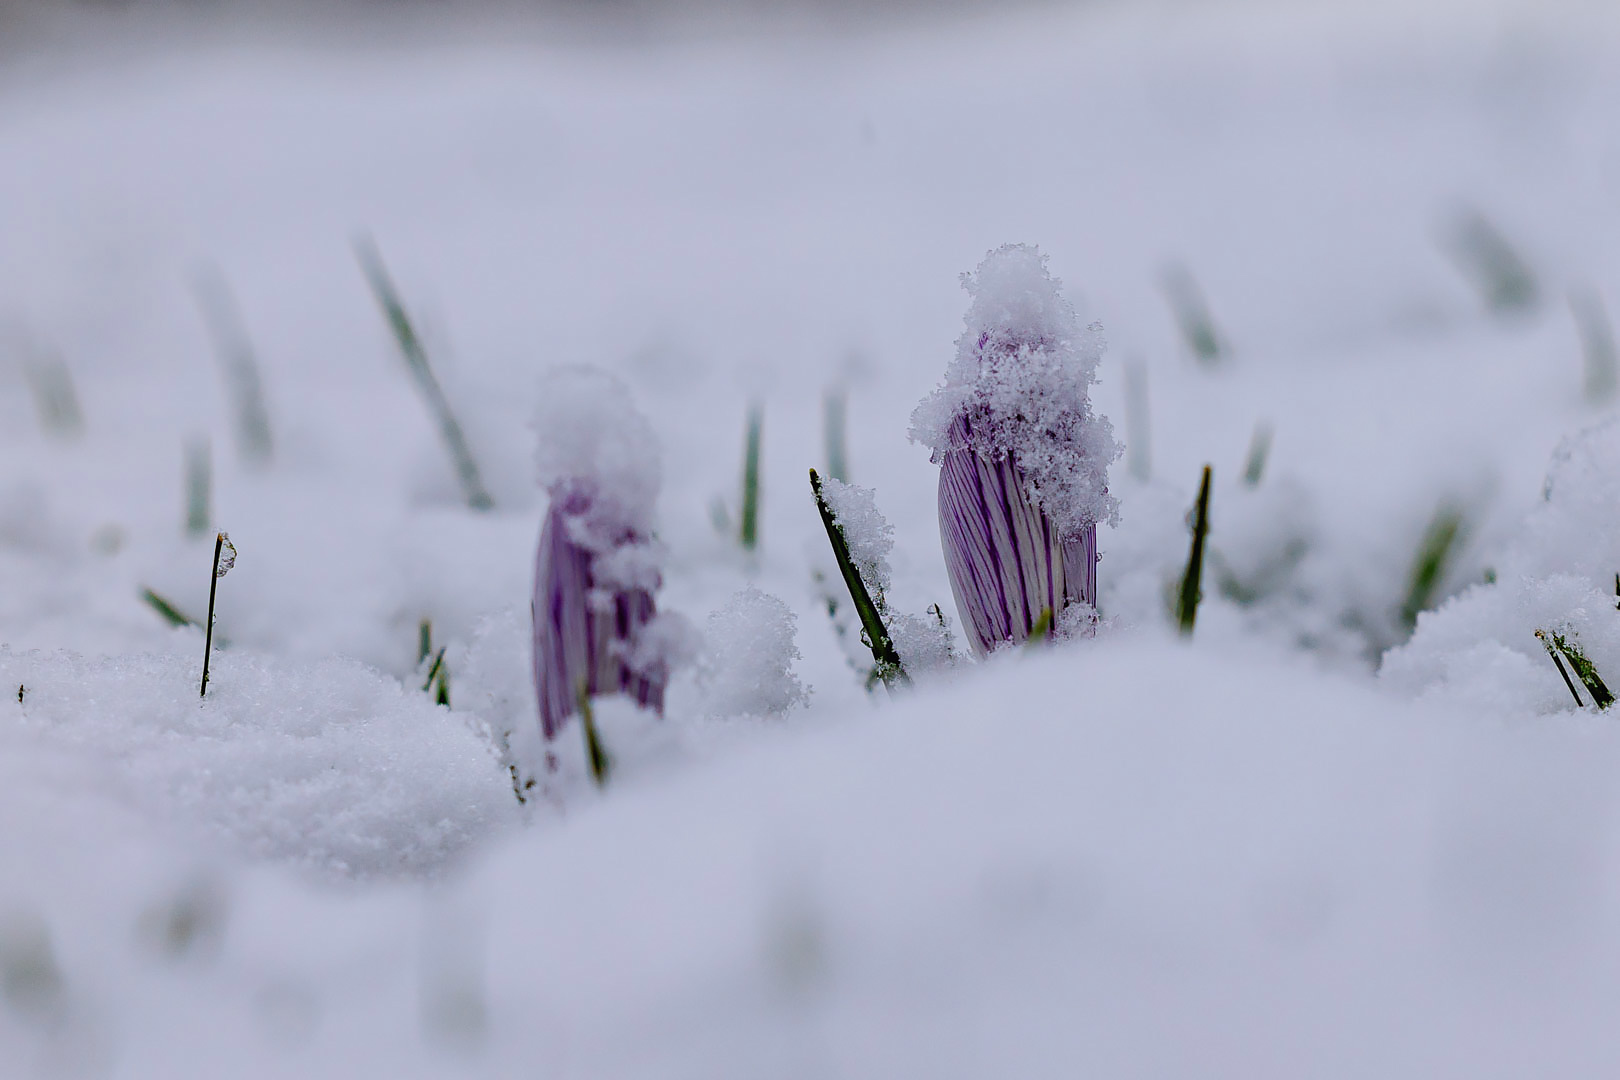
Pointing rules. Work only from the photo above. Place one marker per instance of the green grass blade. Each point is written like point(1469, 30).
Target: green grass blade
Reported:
point(1191, 312)
point(1585, 671)
point(410, 347)
point(1506, 284)
point(199, 487)
point(239, 364)
point(171, 614)
point(1599, 353)
point(1428, 569)
point(1552, 652)
point(835, 409)
point(884, 655)
point(748, 528)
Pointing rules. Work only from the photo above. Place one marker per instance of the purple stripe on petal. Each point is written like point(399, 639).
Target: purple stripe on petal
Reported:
point(1002, 554)
point(581, 635)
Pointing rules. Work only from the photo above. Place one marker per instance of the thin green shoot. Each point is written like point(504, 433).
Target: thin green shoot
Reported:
point(171, 614)
point(1138, 432)
point(884, 655)
point(596, 755)
point(1191, 312)
point(442, 695)
point(1190, 593)
point(238, 364)
point(1552, 652)
point(1259, 451)
point(224, 559)
point(834, 411)
point(748, 526)
point(199, 486)
point(410, 347)
point(1434, 553)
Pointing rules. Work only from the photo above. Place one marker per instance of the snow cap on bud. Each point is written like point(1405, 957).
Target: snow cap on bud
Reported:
point(1023, 460)
point(596, 623)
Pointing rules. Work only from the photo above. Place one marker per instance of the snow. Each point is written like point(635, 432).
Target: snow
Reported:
point(1557, 575)
point(1302, 843)
point(590, 433)
point(1021, 374)
point(867, 532)
point(748, 655)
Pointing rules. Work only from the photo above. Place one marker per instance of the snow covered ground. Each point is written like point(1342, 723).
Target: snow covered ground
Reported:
point(1308, 842)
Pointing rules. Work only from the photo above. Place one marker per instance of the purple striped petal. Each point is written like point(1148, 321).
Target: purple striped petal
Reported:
point(1006, 562)
point(583, 632)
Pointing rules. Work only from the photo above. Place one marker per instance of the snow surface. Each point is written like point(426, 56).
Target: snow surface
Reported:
point(1276, 850)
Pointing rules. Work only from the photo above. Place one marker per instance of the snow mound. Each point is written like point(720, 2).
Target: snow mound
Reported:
point(1558, 576)
point(330, 766)
point(748, 655)
point(1021, 376)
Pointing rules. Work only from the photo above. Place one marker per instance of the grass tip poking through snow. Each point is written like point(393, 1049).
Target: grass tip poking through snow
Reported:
point(748, 654)
point(1021, 376)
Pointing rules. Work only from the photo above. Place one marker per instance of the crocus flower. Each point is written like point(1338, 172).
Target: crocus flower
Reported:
point(597, 570)
point(1023, 461)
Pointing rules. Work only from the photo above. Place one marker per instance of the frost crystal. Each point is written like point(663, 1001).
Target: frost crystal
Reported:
point(227, 556)
point(1023, 461)
point(869, 535)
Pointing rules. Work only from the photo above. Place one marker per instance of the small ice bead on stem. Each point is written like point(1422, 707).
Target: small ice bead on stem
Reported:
point(596, 570)
point(1023, 461)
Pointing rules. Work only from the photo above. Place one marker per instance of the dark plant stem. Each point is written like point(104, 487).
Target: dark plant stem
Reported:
point(208, 633)
point(1560, 664)
point(889, 668)
point(434, 670)
point(1187, 605)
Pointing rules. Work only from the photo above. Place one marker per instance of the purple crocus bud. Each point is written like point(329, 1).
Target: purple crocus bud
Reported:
point(1023, 478)
point(596, 627)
